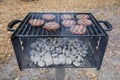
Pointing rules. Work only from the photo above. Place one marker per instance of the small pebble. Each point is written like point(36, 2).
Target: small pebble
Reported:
point(68, 60)
point(40, 44)
point(79, 52)
point(85, 47)
point(35, 58)
point(74, 51)
point(54, 42)
point(72, 57)
point(67, 53)
point(48, 53)
point(44, 41)
point(56, 61)
point(57, 45)
point(62, 59)
point(80, 58)
point(32, 58)
point(58, 50)
point(37, 48)
point(33, 52)
point(52, 48)
point(41, 53)
point(76, 63)
point(47, 48)
point(83, 55)
point(76, 40)
point(64, 50)
point(53, 52)
point(48, 60)
point(33, 45)
point(84, 52)
point(54, 55)
point(71, 47)
point(37, 42)
point(41, 63)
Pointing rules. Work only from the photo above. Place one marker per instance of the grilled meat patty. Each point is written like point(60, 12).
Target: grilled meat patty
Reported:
point(51, 26)
point(85, 22)
point(36, 22)
point(78, 29)
point(82, 16)
point(66, 17)
point(48, 17)
point(68, 23)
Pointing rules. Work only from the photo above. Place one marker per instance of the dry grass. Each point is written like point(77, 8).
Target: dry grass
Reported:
point(17, 9)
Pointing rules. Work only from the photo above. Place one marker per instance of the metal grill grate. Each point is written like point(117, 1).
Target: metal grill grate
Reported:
point(26, 30)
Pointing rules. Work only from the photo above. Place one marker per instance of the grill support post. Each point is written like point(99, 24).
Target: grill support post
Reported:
point(59, 73)
point(18, 50)
point(101, 50)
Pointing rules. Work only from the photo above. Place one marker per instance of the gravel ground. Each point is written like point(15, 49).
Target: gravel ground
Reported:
point(111, 64)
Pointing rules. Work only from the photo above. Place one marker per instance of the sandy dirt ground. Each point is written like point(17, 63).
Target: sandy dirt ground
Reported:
point(17, 10)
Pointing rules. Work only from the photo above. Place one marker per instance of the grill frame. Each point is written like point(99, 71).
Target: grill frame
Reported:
point(98, 42)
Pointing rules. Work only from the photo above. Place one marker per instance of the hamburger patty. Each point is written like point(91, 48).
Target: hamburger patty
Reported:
point(68, 23)
point(82, 16)
point(66, 16)
point(36, 22)
point(78, 29)
point(85, 22)
point(48, 17)
point(51, 26)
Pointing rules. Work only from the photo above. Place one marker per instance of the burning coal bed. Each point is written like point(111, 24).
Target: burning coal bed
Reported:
point(58, 51)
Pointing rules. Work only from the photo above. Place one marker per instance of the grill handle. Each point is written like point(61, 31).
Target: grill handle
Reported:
point(107, 24)
point(11, 24)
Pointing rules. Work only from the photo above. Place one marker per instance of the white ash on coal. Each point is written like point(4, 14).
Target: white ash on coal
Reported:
point(58, 51)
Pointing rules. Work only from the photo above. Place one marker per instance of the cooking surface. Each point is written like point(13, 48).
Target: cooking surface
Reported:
point(26, 30)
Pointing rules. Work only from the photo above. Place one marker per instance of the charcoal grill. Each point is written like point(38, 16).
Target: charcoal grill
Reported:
point(95, 36)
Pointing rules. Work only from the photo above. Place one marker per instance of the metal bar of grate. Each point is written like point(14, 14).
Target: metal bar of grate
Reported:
point(46, 32)
point(57, 20)
point(21, 27)
point(30, 27)
point(51, 32)
point(26, 27)
point(95, 29)
point(91, 31)
point(62, 28)
point(33, 28)
point(92, 18)
point(38, 28)
point(24, 30)
point(87, 32)
point(43, 31)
